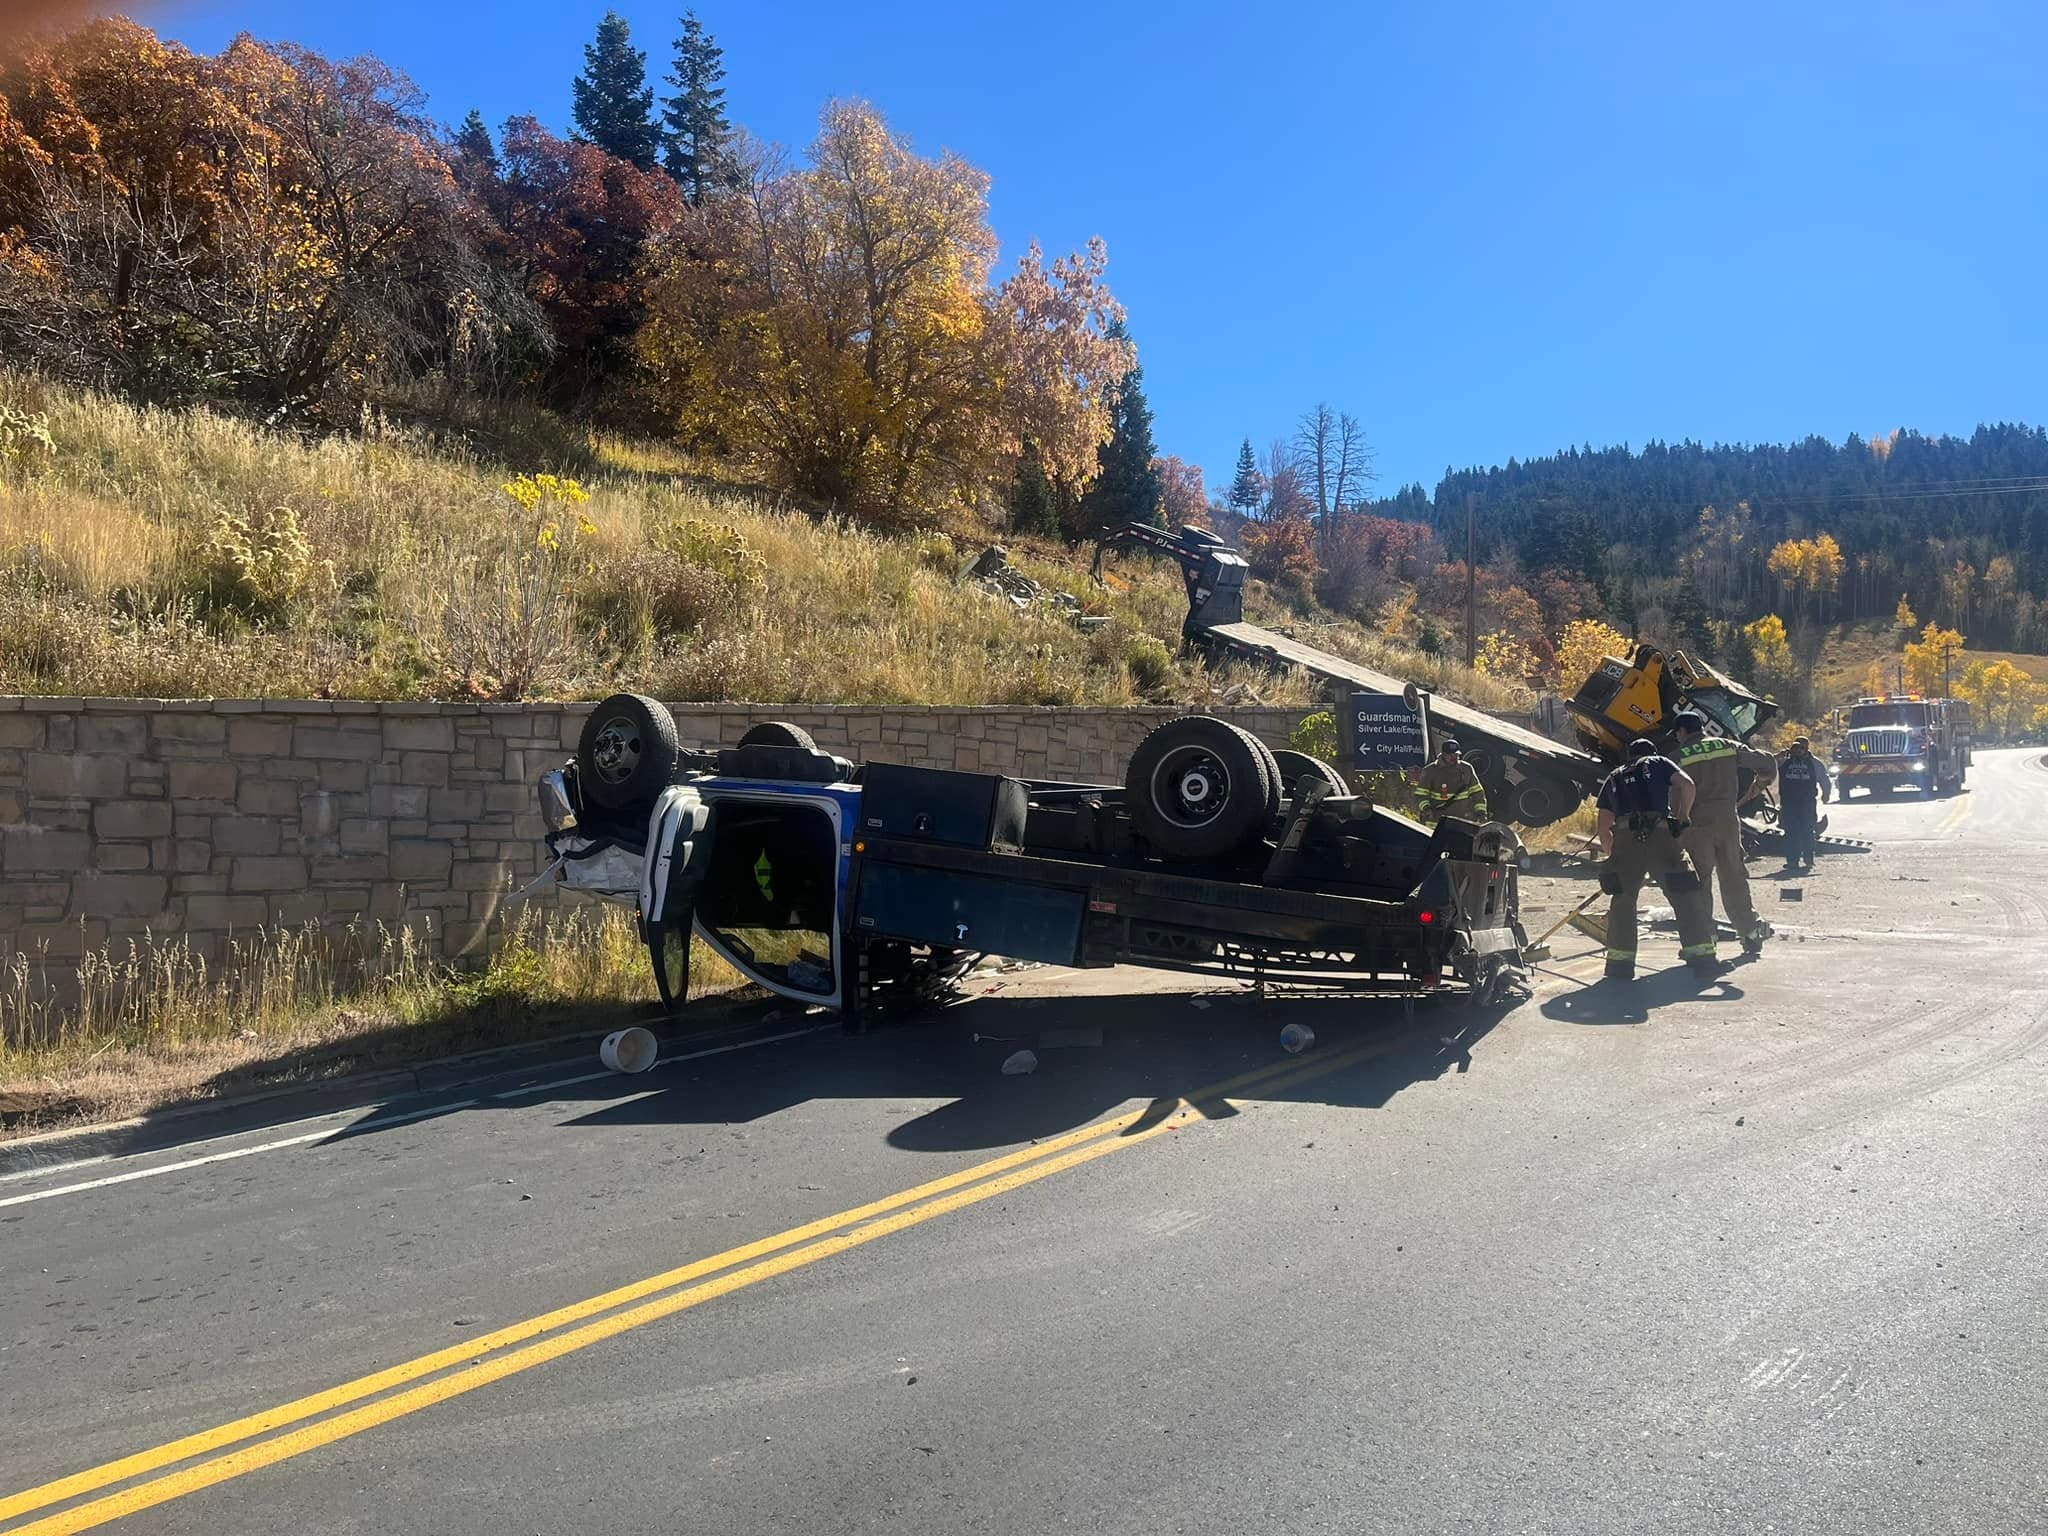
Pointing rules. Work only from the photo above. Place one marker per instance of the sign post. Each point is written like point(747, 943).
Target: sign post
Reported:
point(1383, 731)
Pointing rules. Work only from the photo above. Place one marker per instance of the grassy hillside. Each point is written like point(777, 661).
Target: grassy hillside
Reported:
point(154, 553)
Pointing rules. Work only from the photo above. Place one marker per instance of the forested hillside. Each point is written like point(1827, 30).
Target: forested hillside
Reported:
point(1678, 531)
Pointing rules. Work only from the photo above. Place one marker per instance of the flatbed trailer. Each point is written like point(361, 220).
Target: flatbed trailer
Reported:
point(1528, 777)
point(844, 885)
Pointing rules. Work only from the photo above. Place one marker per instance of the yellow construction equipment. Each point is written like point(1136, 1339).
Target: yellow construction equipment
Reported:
point(1625, 699)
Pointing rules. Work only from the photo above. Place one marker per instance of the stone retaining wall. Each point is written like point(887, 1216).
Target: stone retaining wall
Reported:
point(120, 817)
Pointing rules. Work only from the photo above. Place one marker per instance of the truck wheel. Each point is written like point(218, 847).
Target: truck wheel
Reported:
point(1294, 766)
point(778, 733)
point(669, 948)
point(1200, 788)
point(627, 753)
point(1539, 802)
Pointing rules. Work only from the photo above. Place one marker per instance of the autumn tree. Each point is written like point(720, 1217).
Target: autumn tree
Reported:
point(832, 328)
point(1773, 668)
point(697, 137)
point(1182, 498)
point(267, 223)
point(1811, 569)
point(577, 221)
point(613, 106)
point(1930, 661)
point(1583, 646)
point(1904, 617)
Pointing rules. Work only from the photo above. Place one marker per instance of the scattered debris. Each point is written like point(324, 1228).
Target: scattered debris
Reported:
point(1296, 1038)
point(1020, 1063)
point(992, 572)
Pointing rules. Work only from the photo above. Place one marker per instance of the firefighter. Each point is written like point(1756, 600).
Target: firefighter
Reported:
point(1802, 781)
point(1643, 807)
point(1716, 766)
point(1450, 787)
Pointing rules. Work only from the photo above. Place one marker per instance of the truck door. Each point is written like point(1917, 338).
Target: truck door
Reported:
point(770, 902)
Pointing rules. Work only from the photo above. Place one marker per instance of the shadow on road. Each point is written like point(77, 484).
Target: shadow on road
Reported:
point(1158, 1048)
point(1632, 1002)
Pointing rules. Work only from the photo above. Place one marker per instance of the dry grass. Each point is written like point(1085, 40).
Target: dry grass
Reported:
point(422, 578)
point(133, 1027)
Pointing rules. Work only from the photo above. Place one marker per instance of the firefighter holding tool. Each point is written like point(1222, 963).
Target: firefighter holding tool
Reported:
point(1723, 771)
point(1643, 808)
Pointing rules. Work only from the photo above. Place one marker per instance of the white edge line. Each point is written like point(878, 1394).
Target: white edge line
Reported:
point(377, 1123)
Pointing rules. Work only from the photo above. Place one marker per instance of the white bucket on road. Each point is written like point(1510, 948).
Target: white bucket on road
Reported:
point(629, 1050)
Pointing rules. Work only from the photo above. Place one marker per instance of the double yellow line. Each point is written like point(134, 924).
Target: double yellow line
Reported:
point(433, 1378)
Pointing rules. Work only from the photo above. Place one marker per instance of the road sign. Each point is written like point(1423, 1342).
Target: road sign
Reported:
point(1381, 731)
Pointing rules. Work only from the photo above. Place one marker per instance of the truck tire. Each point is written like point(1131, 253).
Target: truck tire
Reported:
point(778, 733)
point(1200, 788)
point(1539, 802)
point(627, 753)
point(1293, 766)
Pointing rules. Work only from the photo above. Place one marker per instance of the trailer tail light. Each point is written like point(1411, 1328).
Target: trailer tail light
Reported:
point(1425, 917)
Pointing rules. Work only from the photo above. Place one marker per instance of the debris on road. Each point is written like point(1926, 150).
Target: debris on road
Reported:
point(1296, 1038)
point(629, 1050)
point(1020, 1063)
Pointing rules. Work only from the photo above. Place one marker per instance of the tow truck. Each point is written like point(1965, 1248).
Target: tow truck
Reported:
point(842, 885)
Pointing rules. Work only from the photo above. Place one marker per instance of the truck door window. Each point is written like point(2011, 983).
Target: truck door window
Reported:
point(768, 900)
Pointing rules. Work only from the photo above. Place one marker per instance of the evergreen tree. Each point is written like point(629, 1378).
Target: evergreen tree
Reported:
point(1244, 489)
point(697, 132)
point(614, 105)
point(1126, 490)
point(1034, 507)
point(476, 157)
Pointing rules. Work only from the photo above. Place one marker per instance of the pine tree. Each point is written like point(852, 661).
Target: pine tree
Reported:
point(476, 157)
point(1034, 507)
point(1245, 489)
point(697, 132)
point(614, 105)
point(1126, 490)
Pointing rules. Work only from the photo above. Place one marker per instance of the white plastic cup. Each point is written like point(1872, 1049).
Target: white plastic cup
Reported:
point(629, 1050)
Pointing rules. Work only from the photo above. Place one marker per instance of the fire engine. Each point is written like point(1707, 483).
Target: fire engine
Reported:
point(1904, 739)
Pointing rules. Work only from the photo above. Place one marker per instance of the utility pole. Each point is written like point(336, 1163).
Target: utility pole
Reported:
point(1471, 585)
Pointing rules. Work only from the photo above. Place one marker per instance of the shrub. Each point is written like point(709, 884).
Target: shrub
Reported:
point(25, 436)
point(1150, 662)
point(256, 567)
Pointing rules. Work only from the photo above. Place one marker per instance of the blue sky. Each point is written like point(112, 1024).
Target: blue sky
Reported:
point(1486, 230)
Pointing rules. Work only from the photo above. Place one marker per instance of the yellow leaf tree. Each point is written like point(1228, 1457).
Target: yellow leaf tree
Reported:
point(1932, 659)
point(1584, 644)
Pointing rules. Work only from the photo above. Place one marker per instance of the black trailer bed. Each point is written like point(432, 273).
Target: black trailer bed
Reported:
point(1582, 767)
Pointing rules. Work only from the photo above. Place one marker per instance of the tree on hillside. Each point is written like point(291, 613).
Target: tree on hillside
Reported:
point(1182, 499)
point(832, 329)
point(1932, 660)
point(698, 137)
point(578, 220)
point(1332, 459)
point(1126, 488)
point(1034, 506)
point(1246, 487)
point(476, 157)
point(614, 105)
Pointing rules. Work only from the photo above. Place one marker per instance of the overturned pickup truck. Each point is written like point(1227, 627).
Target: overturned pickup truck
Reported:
point(844, 885)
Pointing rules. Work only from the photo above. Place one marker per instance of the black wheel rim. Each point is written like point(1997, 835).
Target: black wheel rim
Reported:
point(615, 752)
point(1190, 787)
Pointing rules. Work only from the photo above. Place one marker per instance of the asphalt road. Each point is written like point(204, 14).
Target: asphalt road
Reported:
point(1761, 1257)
